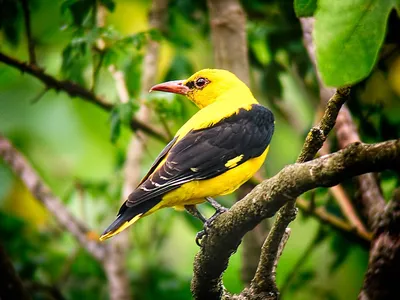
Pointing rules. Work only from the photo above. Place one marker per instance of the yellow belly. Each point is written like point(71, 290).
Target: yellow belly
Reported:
point(194, 192)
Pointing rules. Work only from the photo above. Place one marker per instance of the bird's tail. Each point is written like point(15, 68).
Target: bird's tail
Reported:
point(127, 216)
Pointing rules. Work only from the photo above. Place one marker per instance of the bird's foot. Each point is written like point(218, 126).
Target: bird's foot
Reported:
point(218, 207)
point(207, 224)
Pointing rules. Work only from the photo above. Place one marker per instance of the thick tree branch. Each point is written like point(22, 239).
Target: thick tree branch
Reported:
point(28, 32)
point(34, 183)
point(75, 90)
point(266, 199)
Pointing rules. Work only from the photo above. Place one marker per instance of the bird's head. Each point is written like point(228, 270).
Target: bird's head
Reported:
point(203, 87)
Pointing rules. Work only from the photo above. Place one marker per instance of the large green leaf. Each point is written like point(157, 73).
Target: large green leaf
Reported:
point(305, 8)
point(348, 35)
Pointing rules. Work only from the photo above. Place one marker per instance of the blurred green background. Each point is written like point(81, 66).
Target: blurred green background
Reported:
point(80, 155)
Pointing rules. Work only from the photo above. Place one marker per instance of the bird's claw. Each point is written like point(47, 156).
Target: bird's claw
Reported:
point(199, 236)
point(207, 224)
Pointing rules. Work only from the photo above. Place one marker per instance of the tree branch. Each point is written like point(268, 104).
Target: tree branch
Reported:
point(384, 261)
point(75, 90)
point(228, 31)
point(348, 210)
point(34, 183)
point(266, 199)
point(28, 32)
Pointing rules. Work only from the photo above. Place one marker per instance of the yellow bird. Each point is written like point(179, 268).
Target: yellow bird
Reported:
point(213, 153)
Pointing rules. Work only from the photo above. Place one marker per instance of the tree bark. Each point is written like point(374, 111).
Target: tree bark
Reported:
point(228, 31)
point(381, 279)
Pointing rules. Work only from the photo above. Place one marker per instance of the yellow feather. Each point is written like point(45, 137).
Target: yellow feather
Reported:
point(121, 228)
point(234, 161)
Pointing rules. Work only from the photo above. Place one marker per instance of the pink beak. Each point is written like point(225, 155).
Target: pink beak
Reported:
point(176, 87)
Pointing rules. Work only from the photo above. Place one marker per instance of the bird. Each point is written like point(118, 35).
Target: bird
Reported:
point(217, 150)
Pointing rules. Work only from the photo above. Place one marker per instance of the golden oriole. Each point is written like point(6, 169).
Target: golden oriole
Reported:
point(212, 154)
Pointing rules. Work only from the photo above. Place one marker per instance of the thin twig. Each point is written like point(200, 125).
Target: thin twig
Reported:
point(347, 208)
point(39, 95)
point(96, 69)
point(335, 222)
point(75, 90)
point(28, 32)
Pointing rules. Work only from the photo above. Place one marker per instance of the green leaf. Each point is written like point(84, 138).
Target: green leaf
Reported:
point(261, 51)
point(75, 59)
point(121, 115)
point(305, 8)
point(115, 121)
point(348, 35)
point(79, 10)
point(126, 111)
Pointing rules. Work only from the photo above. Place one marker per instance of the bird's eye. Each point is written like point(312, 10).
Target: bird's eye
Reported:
point(201, 82)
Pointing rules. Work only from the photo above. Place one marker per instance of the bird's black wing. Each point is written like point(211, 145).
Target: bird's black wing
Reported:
point(204, 153)
point(159, 158)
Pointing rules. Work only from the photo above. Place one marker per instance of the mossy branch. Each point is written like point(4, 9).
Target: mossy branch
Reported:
point(268, 197)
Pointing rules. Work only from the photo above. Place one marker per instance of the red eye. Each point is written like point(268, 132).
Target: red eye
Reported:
point(201, 82)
